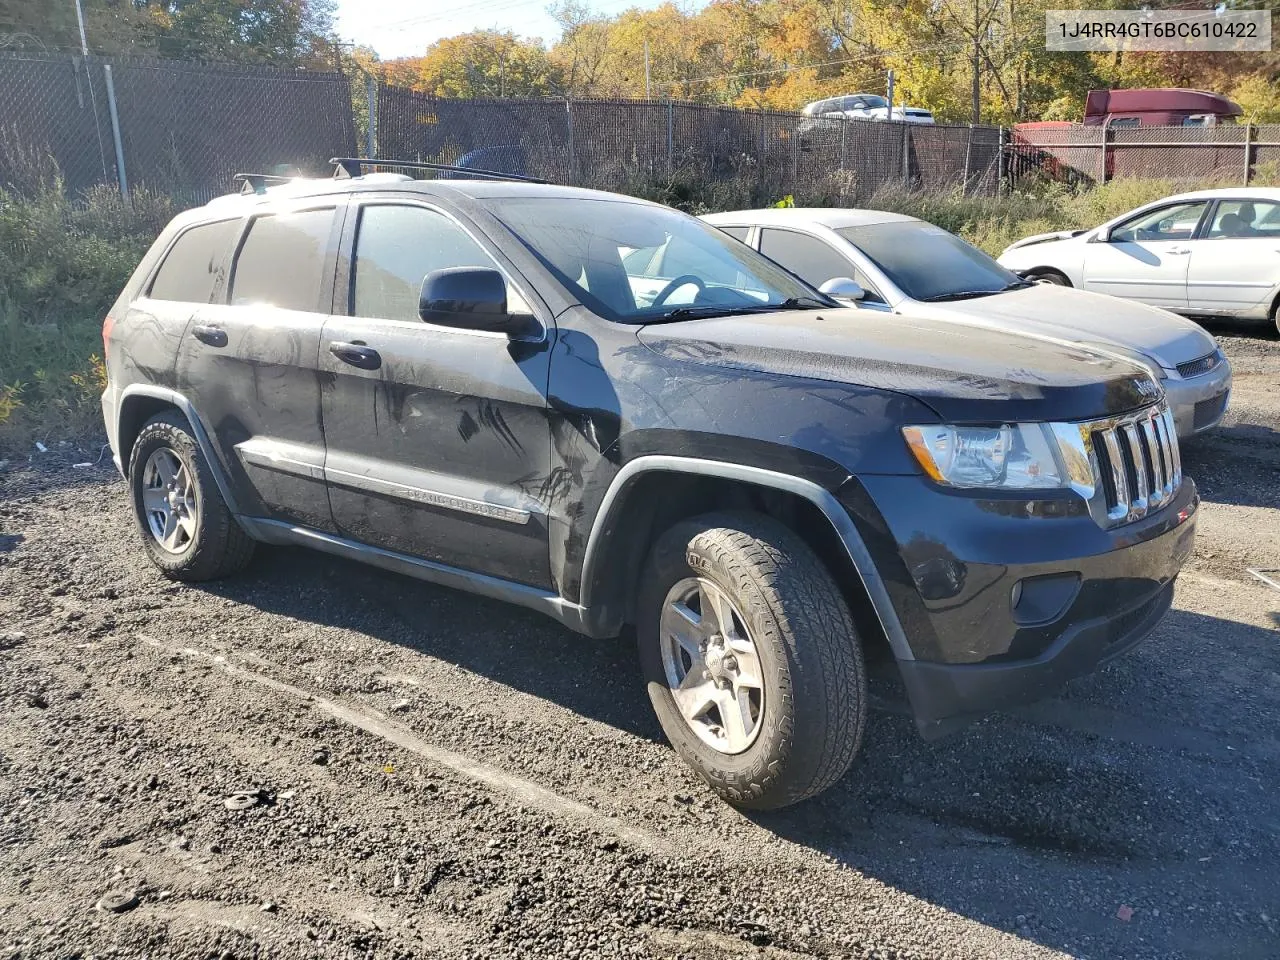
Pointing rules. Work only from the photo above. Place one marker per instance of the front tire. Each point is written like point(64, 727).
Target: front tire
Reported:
point(185, 525)
point(751, 659)
point(1048, 276)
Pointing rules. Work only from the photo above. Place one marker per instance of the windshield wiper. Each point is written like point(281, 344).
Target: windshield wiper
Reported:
point(959, 295)
point(708, 310)
point(804, 302)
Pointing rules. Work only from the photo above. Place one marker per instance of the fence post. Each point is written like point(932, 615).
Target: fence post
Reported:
point(1105, 131)
point(1000, 162)
point(1248, 151)
point(844, 123)
point(670, 135)
point(795, 161)
point(371, 139)
point(115, 133)
point(906, 156)
point(968, 160)
point(573, 160)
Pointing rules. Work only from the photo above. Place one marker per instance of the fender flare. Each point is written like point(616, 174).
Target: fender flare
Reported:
point(819, 496)
point(198, 430)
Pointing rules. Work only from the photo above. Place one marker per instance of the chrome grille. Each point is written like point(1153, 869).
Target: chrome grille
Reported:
point(1199, 366)
point(1136, 464)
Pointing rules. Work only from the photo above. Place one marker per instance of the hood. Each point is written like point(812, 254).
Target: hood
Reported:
point(1043, 238)
point(966, 373)
point(1079, 316)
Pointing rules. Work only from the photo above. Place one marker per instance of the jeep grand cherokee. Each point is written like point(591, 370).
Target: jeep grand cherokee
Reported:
point(606, 410)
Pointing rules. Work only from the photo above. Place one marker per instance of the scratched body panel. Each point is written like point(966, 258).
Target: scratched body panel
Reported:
point(449, 423)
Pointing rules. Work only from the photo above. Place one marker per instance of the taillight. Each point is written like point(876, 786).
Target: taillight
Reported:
point(107, 324)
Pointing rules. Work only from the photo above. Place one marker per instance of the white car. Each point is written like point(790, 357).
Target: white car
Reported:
point(901, 265)
point(1208, 253)
point(864, 106)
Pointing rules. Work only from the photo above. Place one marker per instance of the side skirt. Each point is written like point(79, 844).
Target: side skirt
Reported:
point(553, 605)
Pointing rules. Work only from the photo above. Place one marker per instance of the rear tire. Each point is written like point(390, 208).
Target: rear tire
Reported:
point(185, 525)
point(803, 725)
point(1048, 276)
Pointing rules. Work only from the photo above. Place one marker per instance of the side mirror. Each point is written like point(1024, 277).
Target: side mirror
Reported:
point(843, 288)
point(473, 298)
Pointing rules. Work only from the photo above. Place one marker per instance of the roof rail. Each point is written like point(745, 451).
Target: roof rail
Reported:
point(257, 182)
point(354, 166)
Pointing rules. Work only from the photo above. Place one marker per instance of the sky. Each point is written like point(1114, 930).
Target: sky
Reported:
point(402, 28)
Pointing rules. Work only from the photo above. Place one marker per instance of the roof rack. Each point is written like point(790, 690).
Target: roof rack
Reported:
point(354, 166)
point(257, 182)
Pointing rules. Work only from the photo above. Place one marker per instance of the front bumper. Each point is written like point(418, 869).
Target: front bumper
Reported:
point(1200, 403)
point(1003, 601)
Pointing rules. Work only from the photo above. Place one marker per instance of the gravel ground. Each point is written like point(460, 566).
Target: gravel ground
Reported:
point(422, 773)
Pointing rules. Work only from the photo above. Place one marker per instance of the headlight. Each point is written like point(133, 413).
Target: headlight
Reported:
point(1012, 456)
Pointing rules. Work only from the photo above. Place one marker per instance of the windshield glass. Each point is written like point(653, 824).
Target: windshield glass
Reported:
point(867, 101)
point(927, 263)
point(634, 262)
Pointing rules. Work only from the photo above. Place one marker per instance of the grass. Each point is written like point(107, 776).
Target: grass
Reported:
point(67, 259)
point(65, 262)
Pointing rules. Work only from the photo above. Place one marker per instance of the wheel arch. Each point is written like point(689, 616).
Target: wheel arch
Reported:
point(1056, 271)
point(139, 403)
point(651, 493)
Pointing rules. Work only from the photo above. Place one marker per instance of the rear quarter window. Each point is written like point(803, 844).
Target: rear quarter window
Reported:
point(195, 263)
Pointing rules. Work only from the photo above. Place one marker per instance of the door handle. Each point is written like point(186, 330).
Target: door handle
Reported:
point(213, 336)
point(356, 354)
point(1178, 251)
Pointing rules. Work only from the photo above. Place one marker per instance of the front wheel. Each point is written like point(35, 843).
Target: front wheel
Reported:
point(751, 658)
point(1048, 276)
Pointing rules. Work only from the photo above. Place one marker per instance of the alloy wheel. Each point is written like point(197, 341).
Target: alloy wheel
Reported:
point(712, 668)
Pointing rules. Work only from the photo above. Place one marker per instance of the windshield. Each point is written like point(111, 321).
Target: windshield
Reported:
point(927, 263)
point(635, 262)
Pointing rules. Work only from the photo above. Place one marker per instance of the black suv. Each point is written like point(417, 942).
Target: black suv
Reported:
point(606, 410)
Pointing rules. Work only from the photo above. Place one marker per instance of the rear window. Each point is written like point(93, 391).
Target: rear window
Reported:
point(195, 264)
point(281, 262)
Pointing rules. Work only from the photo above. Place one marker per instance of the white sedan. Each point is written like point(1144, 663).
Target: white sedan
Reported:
point(1208, 253)
point(900, 265)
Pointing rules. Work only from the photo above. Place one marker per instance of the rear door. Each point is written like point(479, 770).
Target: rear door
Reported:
point(248, 361)
point(1147, 256)
point(814, 260)
point(1235, 265)
point(439, 444)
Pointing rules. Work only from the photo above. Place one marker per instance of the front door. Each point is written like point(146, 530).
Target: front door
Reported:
point(438, 440)
point(1146, 258)
point(1236, 264)
point(248, 363)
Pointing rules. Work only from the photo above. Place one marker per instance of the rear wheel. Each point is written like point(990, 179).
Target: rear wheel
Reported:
point(752, 661)
point(185, 526)
point(1275, 314)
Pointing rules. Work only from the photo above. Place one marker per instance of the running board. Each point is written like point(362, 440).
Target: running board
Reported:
point(553, 605)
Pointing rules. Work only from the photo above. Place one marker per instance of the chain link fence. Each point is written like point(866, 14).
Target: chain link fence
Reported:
point(753, 156)
point(1227, 154)
point(183, 129)
point(176, 128)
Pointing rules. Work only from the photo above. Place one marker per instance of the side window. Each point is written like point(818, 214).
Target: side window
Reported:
point(1249, 219)
point(396, 247)
point(1176, 222)
point(807, 257)
point(1125, 122)
point(738, 233)
point(281, 262)
point(195, 263)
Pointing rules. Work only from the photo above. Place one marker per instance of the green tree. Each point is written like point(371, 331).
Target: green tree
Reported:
point(487, 63)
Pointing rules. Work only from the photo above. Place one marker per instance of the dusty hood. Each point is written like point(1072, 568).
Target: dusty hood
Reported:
point(966, 373)
point(1082, 317)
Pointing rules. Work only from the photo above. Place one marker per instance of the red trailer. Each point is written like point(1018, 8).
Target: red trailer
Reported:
point(1158, 107)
